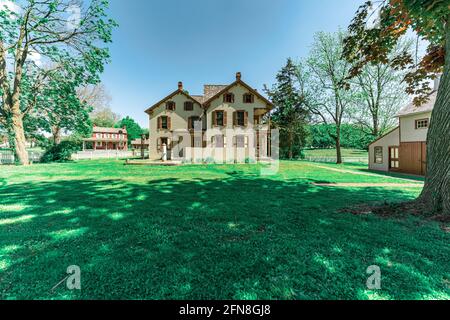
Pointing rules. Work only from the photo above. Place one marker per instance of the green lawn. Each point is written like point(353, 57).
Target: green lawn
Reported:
point(211, 232)
point(351, 153)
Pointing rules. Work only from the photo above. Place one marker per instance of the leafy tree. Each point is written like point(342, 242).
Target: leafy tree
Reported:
point(352, 137)
point(97, 97)
point(104, 117)
point(289, 116)
point(134, 130)
point(61, 152)
point(379, 95)
point(320, 77)
point(54, 104)
point(63, 33)
point(430, 19)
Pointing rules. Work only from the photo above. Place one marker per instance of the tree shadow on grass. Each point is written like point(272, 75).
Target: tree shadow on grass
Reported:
point(236, 238)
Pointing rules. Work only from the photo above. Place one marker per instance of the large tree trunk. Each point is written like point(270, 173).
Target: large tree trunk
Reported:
point(436, 194)
point(338, 145)
point(56, 130)
point(19, 136)
point(291, 145)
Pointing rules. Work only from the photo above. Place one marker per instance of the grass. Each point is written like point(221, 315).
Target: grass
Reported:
point(350, 153)
point(211, 232)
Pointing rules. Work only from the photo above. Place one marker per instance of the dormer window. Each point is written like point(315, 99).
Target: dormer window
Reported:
point(170, 105)
point(188, 106)
point(228, 98)
point(249, 98)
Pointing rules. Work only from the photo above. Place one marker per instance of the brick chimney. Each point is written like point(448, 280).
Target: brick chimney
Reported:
point(180, 86)
point(238, 76)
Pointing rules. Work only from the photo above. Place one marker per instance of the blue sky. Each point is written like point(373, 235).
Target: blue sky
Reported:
point(161, 42)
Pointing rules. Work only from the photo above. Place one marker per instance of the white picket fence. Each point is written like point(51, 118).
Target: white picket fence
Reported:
point(364, 160)
point(96, 155)
point(7, 156)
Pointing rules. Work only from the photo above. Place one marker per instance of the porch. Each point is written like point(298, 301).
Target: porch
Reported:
point(94, 144)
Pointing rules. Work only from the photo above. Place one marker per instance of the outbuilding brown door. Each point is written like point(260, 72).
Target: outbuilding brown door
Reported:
point(413, 157)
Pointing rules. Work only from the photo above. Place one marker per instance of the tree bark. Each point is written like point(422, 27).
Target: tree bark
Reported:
point(19, 137)
point(56, 131)
point(338, 145)
point(291, 145)
point(436, 193)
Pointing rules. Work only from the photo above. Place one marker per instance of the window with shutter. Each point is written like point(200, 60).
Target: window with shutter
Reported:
point(188, 106)
point(170, 106)
point(164, 123)
point(249, 98)
point(240, 118)
point(219, 117)
point(192, 121)
point(228, 98)
point(169, 123)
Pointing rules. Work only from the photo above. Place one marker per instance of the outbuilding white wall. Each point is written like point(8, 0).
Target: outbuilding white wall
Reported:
point(409, 133)
point(392, 139)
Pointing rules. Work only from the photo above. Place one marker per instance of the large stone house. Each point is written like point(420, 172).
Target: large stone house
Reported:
point(404, 149)
point(228, 123)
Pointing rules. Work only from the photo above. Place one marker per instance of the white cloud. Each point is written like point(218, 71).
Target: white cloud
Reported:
point(36, 57)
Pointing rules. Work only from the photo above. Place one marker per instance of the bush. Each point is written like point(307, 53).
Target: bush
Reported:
point(250, 161)
point(210, 160)
point(61, 152)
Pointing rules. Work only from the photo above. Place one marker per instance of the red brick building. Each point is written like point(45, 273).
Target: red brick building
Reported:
point(107, 139)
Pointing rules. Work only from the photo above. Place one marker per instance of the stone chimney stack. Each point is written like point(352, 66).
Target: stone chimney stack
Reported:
point(180, 86)
point(238, 76)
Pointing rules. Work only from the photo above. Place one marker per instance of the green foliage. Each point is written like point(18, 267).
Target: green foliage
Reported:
point(367, 45)
point(74, 49)
point(104, 117)
point(134, 130)
point(290, 115)
point(61, 152)
point(352, 137)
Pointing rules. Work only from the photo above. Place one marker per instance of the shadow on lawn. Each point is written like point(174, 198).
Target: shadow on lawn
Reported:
point(237, 238)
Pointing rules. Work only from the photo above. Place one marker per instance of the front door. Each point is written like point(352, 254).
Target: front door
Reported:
point(169, 147)
point(394, 158)
point(413, 157)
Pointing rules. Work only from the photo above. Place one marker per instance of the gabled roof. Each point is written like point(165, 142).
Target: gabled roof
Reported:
point(211, 92)
point(200, 99)
point(170, 96)
point(413, 109)
point(385, 135)
point(238, 81)
point(96, 129)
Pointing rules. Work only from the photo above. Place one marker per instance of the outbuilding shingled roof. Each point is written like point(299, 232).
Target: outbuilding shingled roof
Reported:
point(413, 109)
point(108, 130)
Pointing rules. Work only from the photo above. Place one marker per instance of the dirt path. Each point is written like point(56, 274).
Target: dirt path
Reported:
point(368, 185)
point(362, 173)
